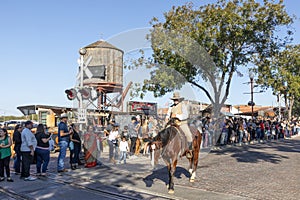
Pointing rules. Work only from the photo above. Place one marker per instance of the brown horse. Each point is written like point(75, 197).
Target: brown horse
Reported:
point(171, 144)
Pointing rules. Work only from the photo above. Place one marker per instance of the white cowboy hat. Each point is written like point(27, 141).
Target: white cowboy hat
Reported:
point(64, 115)
point(176, 96)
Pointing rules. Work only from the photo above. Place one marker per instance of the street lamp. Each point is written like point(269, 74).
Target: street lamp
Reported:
point(82, 52)
point(251, 103)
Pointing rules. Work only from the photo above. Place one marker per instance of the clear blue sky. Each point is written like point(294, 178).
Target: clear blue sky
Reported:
point(40, 42)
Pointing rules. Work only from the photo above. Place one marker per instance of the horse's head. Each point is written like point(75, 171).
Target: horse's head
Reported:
point(155, 151)
point(155, 146)
point(160, 141)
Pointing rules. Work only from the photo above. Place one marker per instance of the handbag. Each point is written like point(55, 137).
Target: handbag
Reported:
point(71, 145)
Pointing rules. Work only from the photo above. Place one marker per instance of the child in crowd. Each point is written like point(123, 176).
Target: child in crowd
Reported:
point(123, 150)
point(125, 133)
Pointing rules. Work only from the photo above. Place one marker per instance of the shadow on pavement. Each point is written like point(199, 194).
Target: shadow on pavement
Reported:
point(162, 174)
point(256, 152)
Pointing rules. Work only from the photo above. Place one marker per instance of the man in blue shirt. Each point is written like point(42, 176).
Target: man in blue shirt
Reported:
point(63, 142)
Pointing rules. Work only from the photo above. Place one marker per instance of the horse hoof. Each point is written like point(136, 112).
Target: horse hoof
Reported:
point(171, 192)
point(192, 180)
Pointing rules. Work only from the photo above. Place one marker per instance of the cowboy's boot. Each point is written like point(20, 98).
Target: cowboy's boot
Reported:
point(189, 153)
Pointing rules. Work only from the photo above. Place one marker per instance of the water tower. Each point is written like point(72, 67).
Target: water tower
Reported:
point(105, 71)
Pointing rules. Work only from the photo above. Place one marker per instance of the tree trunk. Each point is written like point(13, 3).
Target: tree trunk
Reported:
point(290, 108)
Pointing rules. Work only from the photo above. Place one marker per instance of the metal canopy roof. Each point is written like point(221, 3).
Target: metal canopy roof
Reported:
point(31, 109)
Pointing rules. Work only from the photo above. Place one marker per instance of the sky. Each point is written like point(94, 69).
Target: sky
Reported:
point(40, 42)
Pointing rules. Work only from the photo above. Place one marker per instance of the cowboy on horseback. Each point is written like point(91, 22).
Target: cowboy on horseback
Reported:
point(179, 112)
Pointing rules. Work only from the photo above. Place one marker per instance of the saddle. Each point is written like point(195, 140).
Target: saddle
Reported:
point(184, 144)
point(176, 122)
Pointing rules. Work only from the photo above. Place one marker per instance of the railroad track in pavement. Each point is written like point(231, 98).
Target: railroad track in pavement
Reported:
point(83, 184)
point(107, 193)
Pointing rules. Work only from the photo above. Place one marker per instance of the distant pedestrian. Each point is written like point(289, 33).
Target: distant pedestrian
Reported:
point(42, 150)
point(99, 148)
point(241, 132)
point(133, 128)
point(123, 150)
point(113, 143)
point(109, 127)
point(90, 147)
point(145, 136)
point(63, 142)
point(17, 140)
point(138, 142)
point(27, 149)
point(224, 132)
point(125, 133)
point(5, 154)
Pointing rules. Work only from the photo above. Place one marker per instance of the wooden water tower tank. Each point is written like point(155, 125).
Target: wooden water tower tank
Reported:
point(106, 67)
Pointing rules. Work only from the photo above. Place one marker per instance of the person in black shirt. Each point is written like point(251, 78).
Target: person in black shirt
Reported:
point(17, 148)
point(42, 150)
point(74, 153)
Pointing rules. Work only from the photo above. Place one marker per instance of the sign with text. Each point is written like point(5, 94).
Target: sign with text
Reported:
point(81, 115)
point(146, 107)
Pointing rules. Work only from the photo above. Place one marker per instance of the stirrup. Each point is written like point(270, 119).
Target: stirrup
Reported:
point(189, 154)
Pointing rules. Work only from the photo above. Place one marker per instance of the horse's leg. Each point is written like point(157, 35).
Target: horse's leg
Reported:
point(191, 165)
point(152, 157)
point(171, 176)
point(197, 141)
point(191, 161)
point(193, 171)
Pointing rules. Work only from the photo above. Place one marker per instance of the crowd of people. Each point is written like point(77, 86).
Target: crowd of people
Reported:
point(124, 142)
point(239, 131)
point(132, 140)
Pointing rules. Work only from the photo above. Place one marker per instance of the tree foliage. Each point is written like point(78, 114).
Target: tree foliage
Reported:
point(296, 108)
point(213, 42)
point(282, 74)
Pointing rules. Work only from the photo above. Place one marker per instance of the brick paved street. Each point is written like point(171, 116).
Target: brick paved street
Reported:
point(257, 171)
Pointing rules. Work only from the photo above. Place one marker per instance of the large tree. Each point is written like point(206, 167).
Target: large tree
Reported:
point(296, 108)
point(282, 74)
point(211, 43)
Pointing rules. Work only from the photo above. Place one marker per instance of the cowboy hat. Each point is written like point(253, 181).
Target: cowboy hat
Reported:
point(176, 96)
point(64, 115)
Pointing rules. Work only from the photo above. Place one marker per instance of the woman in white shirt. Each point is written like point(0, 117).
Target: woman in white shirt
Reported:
point(113, 143)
